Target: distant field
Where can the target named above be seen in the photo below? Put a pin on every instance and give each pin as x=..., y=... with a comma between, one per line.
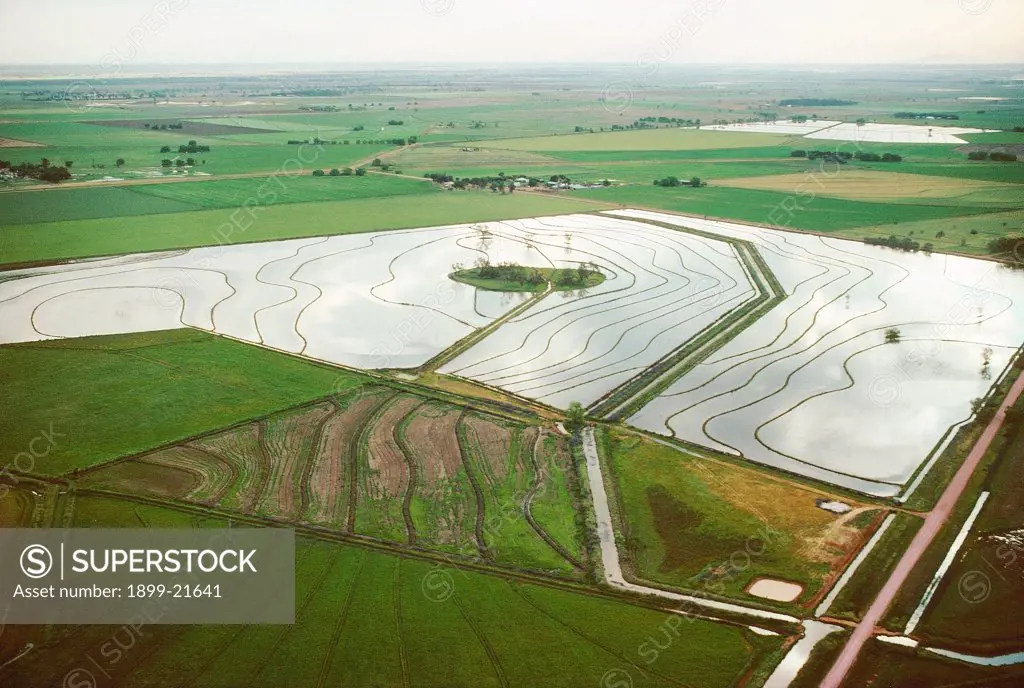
x=956, y=231
x=866, y=185
x=770, y=207
x=82, y=238
x=638, y=140
x=228, y=193
x=118, y=395
x=58, y=205
x=368, y=618
x=683, y=518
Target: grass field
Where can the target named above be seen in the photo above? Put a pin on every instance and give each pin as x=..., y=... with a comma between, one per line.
x=369, y=618
x=78, y=203
x=702, y=524
x=105, y=397
x=82, y=238
x=800, y=211
x=640, y=140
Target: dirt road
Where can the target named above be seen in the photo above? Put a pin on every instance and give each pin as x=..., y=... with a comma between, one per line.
x=932, y=524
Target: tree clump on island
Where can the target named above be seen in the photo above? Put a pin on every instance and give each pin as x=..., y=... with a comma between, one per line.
x=507, y=276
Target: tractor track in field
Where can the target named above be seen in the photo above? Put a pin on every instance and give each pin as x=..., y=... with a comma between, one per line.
x=478, y=493
x=298, y=613
x=479, y=633
x=310, y=463
x=528, y=501
x=586, y=638
x=362, y=434
x=232, y=471
x=340, y=624
x=256, y=497
x=402, y=655
x=398, y=432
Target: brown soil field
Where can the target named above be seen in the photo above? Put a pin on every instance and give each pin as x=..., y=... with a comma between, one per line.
x=431, y=436
x=289, y=444
x=388, y=473
x=240, y=447
x=490, y=443
x=198, y=128
x=215, y=474
x=175, y=481
x=868, y=185
x=329, y=484
x=14, y=143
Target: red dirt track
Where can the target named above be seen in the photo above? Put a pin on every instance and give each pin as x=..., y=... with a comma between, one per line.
x=932, y=524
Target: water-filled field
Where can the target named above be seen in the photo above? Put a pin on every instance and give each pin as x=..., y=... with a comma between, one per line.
x=850, y=131
x=812, y=387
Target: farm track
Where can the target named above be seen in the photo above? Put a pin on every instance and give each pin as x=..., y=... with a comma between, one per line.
x=478, y=632
x=538, y=485
x=263, y=457
x=310, y=461
x=397, y=598
x=340, y=623
x=398, y=432
x=362, y=438
x=478, y=528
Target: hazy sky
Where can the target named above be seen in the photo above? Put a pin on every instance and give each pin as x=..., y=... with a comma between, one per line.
x=677, y=31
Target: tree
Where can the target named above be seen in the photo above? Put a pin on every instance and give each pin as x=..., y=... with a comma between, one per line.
x=360, y=172
x=165, y=149
x=511, y=187
x=347, y=172
x=119, y=163
x=695, y=182
x=576, y=416
x=376, y=162
x=318, y=173
x=892, y=335
x=166, y=163
x=335, y=172
x=861, y=122
x=69, y=163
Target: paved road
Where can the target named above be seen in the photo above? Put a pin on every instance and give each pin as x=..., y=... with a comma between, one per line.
x=932, y=524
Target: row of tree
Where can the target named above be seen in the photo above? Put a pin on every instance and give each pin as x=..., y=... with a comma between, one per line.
x=898, y=243
x=926, y=115
x=191, y=147
x=42, y=170
x=998, y=156
x=675, y=181
x=335, y=172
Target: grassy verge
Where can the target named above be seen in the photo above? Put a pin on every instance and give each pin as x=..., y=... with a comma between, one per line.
x=854, y=599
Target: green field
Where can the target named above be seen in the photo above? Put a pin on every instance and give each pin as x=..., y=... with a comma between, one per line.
x=641, y=140
x=82, y=238
x=78, y=203
x=770, y=207
x=701, y=524
x=368, y=618
x=112, y=396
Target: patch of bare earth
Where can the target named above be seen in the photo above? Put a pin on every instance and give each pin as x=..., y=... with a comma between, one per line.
x=239, y=447
x=214, y=473
x=329, y=478
x=490, y=442
x=145, y=477
x=388, y=473
x=14, y=143
x=289, y=442
x=432, y=438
